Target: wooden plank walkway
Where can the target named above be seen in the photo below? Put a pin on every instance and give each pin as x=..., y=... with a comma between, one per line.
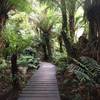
x=42, y=85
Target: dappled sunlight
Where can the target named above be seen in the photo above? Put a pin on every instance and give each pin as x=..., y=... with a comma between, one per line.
x=79, y=32
x=48, y=65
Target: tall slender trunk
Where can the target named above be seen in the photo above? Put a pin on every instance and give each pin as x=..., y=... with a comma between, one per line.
x=92, y=31
x=45, y=51
x=60, y=43
x=48, y=44
x=98, y=51
x=98, y=44
x=72, y=27
x=67, y=42
x=42, y=36
x=14, y=69
x=2, y=23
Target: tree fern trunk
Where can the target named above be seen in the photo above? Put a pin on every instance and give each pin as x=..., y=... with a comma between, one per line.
x=72, y=27
x=64, y=33
x=2, y=23
x=44, y=51
x=48, y=44
x=60, y=43
x=92, y=31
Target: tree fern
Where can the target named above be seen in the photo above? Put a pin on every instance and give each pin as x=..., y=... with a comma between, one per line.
x=87, y=69
x=22, y=5
x=7, y=5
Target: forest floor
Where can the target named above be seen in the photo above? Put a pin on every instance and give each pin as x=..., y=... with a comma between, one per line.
x=6, y=90
x=75, y=84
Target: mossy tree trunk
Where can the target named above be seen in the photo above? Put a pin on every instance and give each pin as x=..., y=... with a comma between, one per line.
x=60, y=43
x=72, y=27
x=48, y=45
x=3, y=19
x=93, y=16
x=44, y=51
x=92, y=31
x=43, y=45
x=69, y=48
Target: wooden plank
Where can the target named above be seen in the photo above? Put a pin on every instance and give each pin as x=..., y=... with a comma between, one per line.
x=42, y=85
x=38, y=95
x=38, y=98
x=39, y=92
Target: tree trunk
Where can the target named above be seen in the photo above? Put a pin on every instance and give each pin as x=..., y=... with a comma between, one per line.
x=14, y=69
x=48, y=44
x=92, y=31
x=60, y=43
x=3, y=19
x=70, y=50
x=98, y=51
x=44, y=51
x=98, y=44
x=72, y=27
x=93, y=16
x=42, y=36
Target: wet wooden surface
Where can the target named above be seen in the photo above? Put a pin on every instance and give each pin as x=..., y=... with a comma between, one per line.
x=42, y=85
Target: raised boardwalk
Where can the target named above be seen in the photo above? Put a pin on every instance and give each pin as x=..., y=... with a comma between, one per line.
x=42, y=85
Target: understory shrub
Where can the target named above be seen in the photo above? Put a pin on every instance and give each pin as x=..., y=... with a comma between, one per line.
x=28, y=61
x=3, y=64
x=81, y=80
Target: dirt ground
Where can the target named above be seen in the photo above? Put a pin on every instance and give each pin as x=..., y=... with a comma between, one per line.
x=6, y=90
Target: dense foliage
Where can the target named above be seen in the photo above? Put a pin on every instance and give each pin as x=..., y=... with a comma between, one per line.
x=64, y=32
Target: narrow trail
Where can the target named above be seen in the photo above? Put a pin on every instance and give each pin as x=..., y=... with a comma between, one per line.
x=42, y=85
